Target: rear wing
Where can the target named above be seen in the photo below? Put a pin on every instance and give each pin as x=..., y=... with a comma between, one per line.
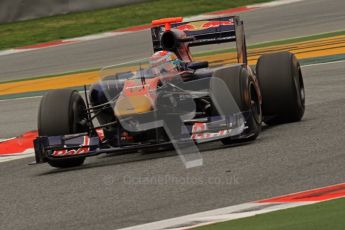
x=209, y=31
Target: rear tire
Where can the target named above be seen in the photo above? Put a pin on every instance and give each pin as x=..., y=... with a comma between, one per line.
x=60, y=113
x=246, y=94
x=282, y=88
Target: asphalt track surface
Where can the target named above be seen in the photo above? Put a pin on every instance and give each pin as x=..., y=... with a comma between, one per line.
x=117, y=191
x=297, y=19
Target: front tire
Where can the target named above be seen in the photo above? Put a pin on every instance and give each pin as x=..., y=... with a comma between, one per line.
x=60, y=113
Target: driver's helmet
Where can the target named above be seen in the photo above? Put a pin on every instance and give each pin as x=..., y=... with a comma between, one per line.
x=165, y=62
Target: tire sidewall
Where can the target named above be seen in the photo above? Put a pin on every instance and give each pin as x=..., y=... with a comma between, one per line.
x=59, y=112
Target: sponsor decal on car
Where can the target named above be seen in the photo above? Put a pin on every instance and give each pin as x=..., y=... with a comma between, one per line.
x=203, y=25
x=199, y=132
x=84, y=148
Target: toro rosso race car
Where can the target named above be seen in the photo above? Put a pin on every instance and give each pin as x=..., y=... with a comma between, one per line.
x=171, y=101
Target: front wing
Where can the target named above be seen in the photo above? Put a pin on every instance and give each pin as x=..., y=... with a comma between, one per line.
x=86, y=145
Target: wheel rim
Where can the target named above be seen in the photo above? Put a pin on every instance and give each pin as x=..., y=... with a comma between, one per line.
x=255, y=106
x=79, y=116
x=299, y=90
x=301, y=87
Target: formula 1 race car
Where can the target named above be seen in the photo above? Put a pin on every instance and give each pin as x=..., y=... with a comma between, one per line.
x=170, y=100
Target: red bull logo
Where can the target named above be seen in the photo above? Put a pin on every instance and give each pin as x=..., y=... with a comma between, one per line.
x=199, y=25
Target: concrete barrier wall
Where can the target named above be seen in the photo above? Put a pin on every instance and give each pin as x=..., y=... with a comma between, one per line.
x=19, y=10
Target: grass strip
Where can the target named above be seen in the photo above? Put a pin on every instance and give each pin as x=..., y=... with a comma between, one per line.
x=325, y=215
x=97, y=21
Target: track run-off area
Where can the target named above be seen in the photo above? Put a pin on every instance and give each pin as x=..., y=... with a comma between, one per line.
x=111, y=192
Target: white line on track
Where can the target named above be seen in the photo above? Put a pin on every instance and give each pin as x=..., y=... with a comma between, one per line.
x=10, y=157
x=20, y=98
x=33, y=97
x=216, y=215
x=275, y=3
x=324, y=63
x=2, y=139
x=241, y=210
